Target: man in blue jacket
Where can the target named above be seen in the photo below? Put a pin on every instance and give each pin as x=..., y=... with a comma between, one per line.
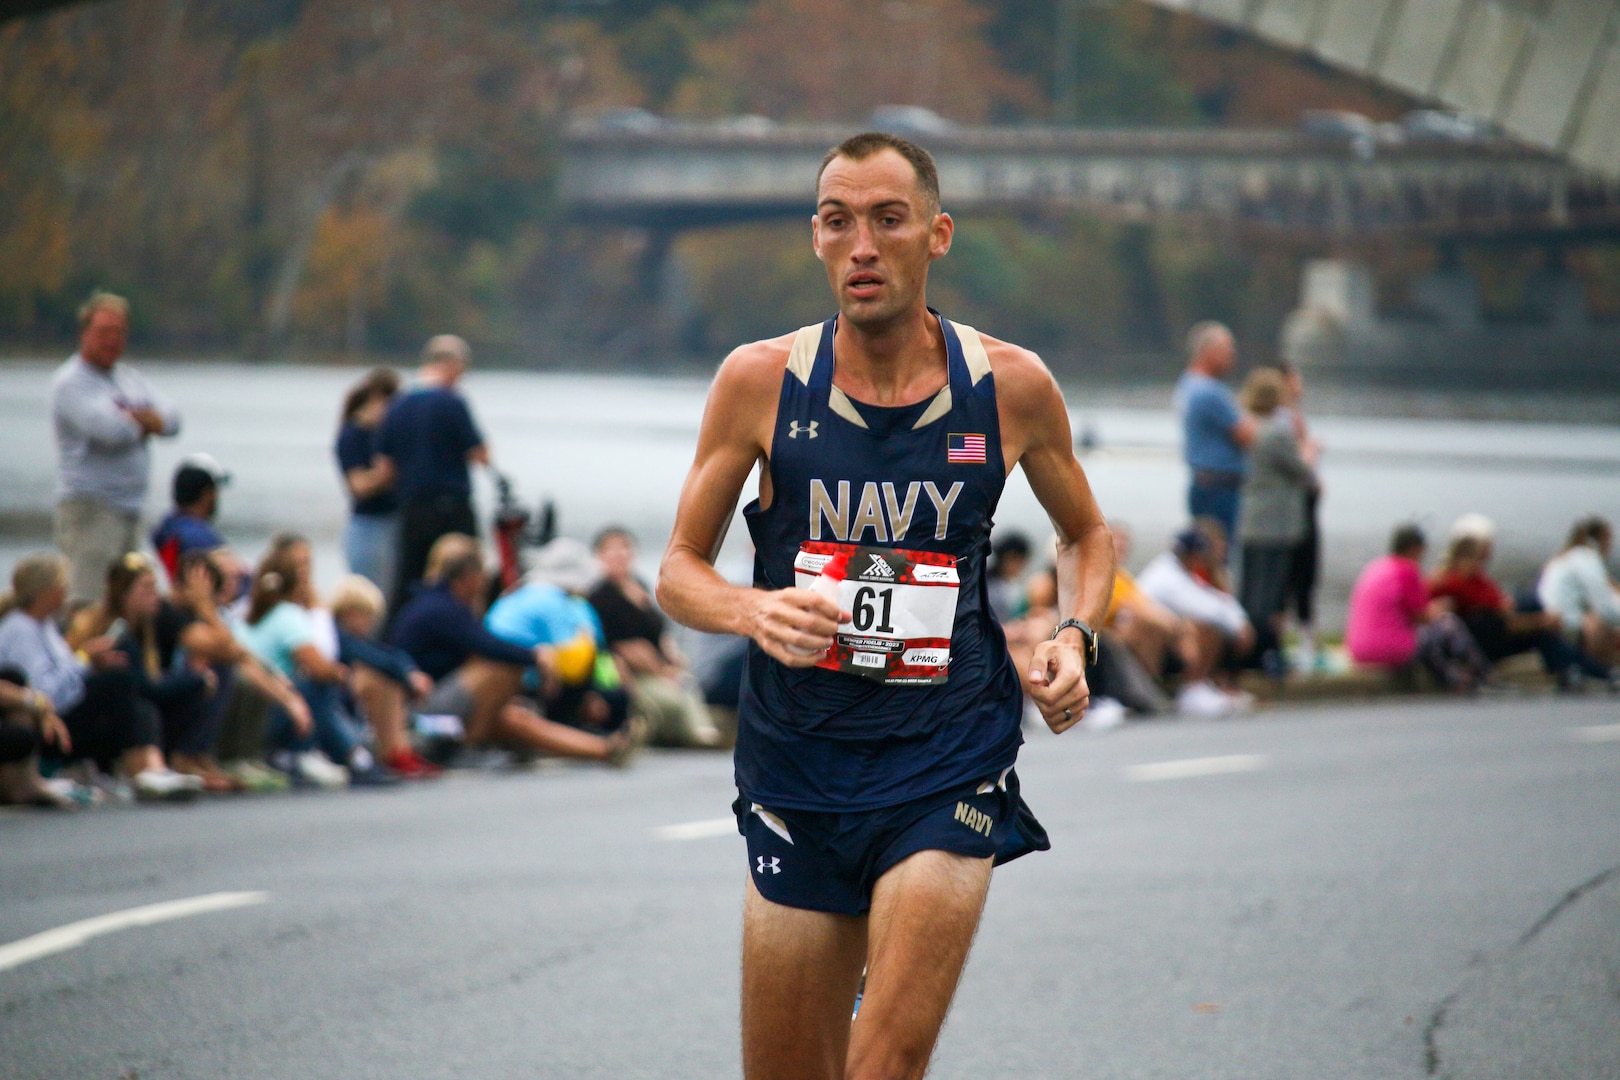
x=476, y=674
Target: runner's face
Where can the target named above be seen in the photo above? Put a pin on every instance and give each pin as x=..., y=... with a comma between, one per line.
x=876, y=231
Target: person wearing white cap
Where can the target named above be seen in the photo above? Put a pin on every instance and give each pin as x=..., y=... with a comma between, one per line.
x=1500, y=627
x=104, y=414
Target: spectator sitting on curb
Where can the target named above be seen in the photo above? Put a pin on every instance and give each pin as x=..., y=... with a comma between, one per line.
x=385, y=680
x=663, y=689
x=1004, y=576
x=1393, y=624
x=1183, y=581
x=1498, y=628
x=1117, y=681
x=105, y=415
x=328, y=697
x=578, y=681
x=142, y=625
x=1154, y=634
x=1575, y=586
x=28, y=725
x=248, y=690
x=477, y=674
x=92, y=691
x=189, y=525
x=278, y=630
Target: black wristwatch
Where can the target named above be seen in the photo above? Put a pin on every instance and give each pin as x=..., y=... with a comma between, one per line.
x=1087, y=635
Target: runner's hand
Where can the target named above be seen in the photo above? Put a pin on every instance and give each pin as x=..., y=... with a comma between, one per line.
x=796, y=626
x=1057, y=683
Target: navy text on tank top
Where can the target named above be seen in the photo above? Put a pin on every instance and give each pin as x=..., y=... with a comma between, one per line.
x=923, y=477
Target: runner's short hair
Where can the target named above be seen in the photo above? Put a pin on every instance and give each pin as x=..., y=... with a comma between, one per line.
x=862, y=146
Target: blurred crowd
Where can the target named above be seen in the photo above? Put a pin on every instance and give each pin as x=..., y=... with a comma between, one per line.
x=168, y=666
x=1237, y=584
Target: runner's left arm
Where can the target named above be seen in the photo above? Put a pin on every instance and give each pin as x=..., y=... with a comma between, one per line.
x=1036, y=434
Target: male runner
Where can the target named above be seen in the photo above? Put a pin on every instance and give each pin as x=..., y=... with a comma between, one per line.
x=877, y=732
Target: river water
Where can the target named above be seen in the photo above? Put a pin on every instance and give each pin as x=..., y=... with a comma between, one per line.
x=612, y=448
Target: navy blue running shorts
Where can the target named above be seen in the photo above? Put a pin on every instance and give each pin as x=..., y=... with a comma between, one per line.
x=830, y=861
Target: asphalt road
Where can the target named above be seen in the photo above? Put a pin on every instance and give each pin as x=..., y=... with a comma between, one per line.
x=1405, y=890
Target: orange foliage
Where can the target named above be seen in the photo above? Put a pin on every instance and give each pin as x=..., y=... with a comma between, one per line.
x=836, y=59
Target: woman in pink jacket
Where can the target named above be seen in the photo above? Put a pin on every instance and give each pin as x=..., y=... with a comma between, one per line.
x=1393, y=624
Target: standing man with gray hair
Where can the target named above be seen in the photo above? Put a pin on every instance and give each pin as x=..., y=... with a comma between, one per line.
x=1216, y=434
x=425, y=446
x=104, y=413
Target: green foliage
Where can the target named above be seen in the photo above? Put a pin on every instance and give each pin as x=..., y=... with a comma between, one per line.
x=313, y=175
x=658, y=49
x=1118, y=79
x=476, y=198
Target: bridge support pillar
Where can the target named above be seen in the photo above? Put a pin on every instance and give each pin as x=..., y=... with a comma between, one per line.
x=666, y=292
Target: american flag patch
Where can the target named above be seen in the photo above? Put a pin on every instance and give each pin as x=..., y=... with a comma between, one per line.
x=964, y=449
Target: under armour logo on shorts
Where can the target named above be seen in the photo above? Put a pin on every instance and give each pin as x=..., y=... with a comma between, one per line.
x=795, y=429
x=773, y=864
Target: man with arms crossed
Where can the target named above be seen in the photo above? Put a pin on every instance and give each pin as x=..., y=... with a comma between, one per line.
x=105, y=417
x=877, y=731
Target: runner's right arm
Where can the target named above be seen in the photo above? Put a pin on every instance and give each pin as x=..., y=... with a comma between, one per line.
x=793, y=625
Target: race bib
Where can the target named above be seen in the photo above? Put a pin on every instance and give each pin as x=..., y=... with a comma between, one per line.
x=902, y=606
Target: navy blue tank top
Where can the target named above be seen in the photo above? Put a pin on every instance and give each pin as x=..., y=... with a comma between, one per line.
x=922, y=478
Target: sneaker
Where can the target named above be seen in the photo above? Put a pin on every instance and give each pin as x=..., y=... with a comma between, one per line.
x=1242, y=701
x=622, y=747
x=1204, y=699
x=256, y=778
x=65, y=789
x=412, y=766
x=215, y=781
x=166, y=785
x=373, y=775
x=317, y=770
x=1102, y=714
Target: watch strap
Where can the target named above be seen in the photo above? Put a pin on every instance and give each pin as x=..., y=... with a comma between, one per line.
x=1086, y=633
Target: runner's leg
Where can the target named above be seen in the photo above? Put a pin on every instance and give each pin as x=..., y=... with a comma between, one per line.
x=799, y=970
x=925, y=911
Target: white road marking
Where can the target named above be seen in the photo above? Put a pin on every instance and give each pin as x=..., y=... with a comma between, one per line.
x=1186, y=768
x=75, y=934
x=1596, y=733
x=697, y=830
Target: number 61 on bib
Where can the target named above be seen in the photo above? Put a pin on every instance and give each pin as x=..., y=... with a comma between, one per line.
x=902, y=605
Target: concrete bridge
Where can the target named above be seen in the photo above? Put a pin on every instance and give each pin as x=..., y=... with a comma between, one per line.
x=1546, y=71
x=637, y=170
